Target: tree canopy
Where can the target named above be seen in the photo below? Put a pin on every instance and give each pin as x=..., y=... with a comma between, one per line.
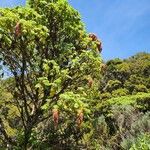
x=55, y=67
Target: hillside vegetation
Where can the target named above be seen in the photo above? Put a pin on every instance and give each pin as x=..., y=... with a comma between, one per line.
x=122, y=113
x=60, y=95
x=127, y=77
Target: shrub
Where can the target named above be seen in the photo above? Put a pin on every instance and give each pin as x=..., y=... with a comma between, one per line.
x=120, y=92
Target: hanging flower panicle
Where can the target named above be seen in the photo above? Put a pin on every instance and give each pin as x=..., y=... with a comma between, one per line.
x=18, y=29
x=80, y=116
x=98, y=42
x=90, y=82
x=103, y=67
x=55, y=117
x=93, y=36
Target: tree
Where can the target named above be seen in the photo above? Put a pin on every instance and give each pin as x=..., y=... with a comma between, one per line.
x=51, y=58
x=132, y=73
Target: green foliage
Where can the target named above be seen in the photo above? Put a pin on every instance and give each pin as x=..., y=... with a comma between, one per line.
x=142, y=143
x=51, y=58
x=121, y=128
x=105, y=96
x=140, y=88
x=8, y=111
x=120, y=92
x=113, y=85
x=57, y=97
x=132, y=73
x=140, y=98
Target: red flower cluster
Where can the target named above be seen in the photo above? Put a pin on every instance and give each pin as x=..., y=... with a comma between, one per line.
x=18, y=29
x=80, y=116
x=94, y=38
x=55, y=117
x=90, y=82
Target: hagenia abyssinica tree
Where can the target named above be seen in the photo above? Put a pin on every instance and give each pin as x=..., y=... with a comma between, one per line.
x=52, y=59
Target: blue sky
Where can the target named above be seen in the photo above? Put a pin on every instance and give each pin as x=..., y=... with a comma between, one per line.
x=122, y=25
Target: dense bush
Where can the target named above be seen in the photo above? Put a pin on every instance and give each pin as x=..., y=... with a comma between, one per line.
x=120, y=92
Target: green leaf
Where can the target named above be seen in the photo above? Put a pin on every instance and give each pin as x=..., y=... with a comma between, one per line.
x=76, y=105
x=46, y=83
x=45, y=106
x=38, y=85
